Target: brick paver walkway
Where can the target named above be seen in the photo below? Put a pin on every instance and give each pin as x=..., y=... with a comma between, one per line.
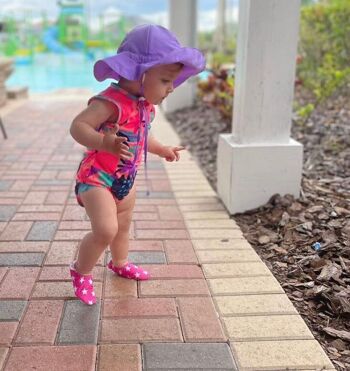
x=211, y=304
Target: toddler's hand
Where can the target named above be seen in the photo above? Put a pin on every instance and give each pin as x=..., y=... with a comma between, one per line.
x=116, y=145
x=171, y=153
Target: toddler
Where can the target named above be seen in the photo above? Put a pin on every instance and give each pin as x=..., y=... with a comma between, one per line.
x=114, y=127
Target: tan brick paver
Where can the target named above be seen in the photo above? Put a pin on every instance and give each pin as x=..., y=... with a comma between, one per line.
x=211, y=286
x=120, y=357
x=281, y=355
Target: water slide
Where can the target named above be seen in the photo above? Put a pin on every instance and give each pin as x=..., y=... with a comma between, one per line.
x=50, y=39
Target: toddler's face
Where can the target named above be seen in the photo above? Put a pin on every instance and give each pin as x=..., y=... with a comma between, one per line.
x=158, y=82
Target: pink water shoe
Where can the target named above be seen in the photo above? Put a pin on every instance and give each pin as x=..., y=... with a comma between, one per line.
x=83, y=286
x=129, y=270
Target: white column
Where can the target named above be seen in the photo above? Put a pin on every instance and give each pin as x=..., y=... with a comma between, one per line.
x=220, y=32
x=259, y=158
x=183, y=23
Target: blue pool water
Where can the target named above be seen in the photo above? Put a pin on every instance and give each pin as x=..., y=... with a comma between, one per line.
x=49, y=72
x=204, y=75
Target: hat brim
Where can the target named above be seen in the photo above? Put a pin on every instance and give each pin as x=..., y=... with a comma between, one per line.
x=129, y=65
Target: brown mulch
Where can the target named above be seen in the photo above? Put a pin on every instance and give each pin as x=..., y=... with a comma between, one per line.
x=305, y=242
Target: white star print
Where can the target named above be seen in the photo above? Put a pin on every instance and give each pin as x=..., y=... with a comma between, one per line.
x=90, y=281
x=145, y=272
x=137, y=275
x=90, y=302
x=82, y=280
x=127, y=268
x=93, y=293
x=84, y=292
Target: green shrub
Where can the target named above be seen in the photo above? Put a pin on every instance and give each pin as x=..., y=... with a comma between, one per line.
x=323, y=61
x=218, y=59
x=324, y=47
x=217, y=91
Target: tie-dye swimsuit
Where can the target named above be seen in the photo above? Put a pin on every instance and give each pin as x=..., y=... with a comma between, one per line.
x=103, y=169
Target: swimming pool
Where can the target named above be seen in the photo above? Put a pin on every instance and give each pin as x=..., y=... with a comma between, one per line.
x=50, y=72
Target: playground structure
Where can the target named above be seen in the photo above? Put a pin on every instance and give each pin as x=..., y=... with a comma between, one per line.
x=21, y=39
x=72, y=27
x=17, y=40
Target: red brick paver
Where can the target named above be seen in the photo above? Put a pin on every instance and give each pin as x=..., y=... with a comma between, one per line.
x=51, y=358
x=199, y=319
x=3, y=270
x=180, y=251
x=7, y=332
x=18, y=283
x=174, y=288
x=141, y=330
x=40, y=322
x=135, y=307
x=3, y=353
x=16, y=231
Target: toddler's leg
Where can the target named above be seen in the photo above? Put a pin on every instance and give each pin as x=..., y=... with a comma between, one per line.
x=120, y=244
x=102, y=211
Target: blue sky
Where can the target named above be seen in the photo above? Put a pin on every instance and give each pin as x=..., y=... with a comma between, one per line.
x=152, y=10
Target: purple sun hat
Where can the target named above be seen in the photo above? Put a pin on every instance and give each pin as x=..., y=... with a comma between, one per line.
x=147, y=46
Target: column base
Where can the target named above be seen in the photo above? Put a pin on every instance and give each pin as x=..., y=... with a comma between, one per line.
x=248, y=175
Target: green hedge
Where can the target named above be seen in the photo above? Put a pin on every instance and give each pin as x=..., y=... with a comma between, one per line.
x=324, y=47
x=323, y=61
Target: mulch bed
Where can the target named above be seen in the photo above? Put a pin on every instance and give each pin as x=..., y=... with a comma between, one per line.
x=305, y=242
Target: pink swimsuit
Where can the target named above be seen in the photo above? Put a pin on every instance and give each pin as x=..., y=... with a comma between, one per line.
x=103, y=169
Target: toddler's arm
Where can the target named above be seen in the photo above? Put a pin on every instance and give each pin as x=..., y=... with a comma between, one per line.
x=83, y=129
x=167, y=152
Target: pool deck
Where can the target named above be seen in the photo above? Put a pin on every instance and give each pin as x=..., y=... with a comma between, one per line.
x=211, y=304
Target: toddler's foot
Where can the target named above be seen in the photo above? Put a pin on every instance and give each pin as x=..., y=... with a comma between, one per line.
x=83, y=286
x=129, y=270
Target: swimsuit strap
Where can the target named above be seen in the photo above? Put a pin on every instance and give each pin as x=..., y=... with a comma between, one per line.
x=144, y=119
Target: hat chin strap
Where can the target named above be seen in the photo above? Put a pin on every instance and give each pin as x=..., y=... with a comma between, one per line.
x=142, y=85
x=142, y=90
